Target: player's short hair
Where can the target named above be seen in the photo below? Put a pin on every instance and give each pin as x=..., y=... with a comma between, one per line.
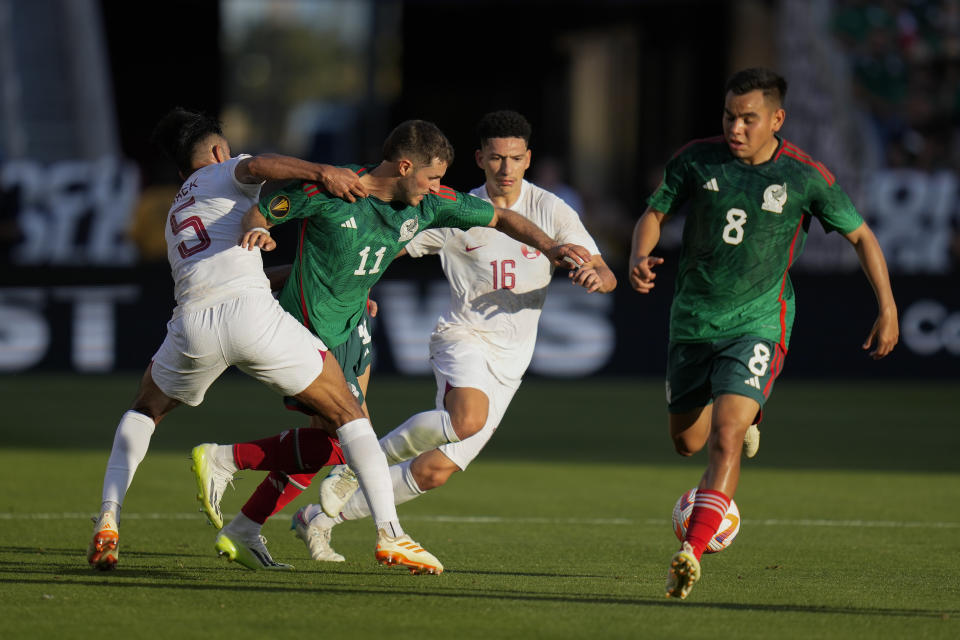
x=419, y=141
x=772, y=84
x=503, y=124
x=178, y=133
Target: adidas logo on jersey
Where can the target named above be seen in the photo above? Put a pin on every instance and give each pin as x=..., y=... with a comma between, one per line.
x=711, y=185
x=349, y=224
x=753, y=382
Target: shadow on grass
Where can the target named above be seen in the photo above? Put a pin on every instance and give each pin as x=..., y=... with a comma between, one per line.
x=134, y=578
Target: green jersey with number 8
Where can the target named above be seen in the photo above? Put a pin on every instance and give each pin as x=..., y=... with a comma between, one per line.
x=745, y=227
x=343, y=248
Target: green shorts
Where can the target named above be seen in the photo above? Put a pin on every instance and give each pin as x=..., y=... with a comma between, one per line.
x=354, y=356
x=698, y=372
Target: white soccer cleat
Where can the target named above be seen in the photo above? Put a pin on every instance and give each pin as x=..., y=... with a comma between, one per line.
x=104, y=550
x=684, y=572
x=339, y=485
x=751, y=441
x=404, y=551
x=252, y=553
x=212, y=481
x=316, y=538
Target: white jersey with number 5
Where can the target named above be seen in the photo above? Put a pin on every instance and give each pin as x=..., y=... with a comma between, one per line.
x=202, y=231
x=498, y=285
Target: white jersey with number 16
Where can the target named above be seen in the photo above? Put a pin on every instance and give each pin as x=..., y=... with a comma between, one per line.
x=498, y=285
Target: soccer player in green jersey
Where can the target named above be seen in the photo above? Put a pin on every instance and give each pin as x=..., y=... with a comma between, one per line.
x=344, y=250
x=750, y=196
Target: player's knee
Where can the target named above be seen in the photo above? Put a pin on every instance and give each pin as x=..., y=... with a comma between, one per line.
x=468, y=423
x=727, y=441
x=682, y=446
x=434, y=477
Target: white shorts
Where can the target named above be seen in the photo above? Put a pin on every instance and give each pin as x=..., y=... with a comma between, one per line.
x=252, y=333
x=463, y=363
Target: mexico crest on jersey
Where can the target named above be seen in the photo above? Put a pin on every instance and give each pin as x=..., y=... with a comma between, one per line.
x=409, y=229
x=279, y=206
x=774, y=197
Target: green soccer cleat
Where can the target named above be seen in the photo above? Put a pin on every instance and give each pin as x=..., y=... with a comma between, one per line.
x=403, y=551
x=103, y=551
x=751, y=441
x=212, y=481
x=684, y=572
x=252, y=554
x=316, y=538
x=339, y=485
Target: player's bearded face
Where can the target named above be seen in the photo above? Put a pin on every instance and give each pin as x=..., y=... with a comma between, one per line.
x=749, y=124
x=420, y=181
x=504, y=161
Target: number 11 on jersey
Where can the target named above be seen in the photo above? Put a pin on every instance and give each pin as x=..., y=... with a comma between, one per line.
x=360, y=271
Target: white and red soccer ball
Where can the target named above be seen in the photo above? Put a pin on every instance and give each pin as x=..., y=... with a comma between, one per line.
x=729, y=528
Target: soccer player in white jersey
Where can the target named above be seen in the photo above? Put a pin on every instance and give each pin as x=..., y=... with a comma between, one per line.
x=226, y=315
x=482, y=345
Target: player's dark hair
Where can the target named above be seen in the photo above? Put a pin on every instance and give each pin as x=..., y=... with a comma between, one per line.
x=772, y=84
x=419, y=141
x=178, y=133
x=503, y=124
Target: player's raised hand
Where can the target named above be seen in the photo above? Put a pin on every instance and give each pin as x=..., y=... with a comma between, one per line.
x=342, y=183
x=258, y=238
x=885, y=333
x=641, y=273
x=568, y=256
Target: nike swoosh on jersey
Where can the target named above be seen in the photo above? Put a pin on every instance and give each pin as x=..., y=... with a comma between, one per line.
x=473, y=248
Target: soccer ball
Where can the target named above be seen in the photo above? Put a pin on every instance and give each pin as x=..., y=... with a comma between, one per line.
x=729, y=528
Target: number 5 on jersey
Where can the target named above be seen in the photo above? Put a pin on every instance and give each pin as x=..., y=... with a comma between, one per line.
x=193, y=222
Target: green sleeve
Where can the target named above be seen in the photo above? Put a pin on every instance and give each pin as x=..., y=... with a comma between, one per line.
x=671, y=193
x=835, y=210
x=296, y=200
x=458, y=210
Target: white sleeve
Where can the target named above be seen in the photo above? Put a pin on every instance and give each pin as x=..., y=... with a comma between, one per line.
x=567, y=227
x=249, y=190
x=426, y=243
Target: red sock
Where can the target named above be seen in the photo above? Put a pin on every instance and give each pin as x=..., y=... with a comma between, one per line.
x=275, y=492
x=293, y=451
x=709, y=507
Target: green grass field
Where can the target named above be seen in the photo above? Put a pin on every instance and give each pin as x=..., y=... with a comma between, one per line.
x=851, y=525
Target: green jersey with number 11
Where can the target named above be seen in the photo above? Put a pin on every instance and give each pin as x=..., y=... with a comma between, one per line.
x=745, y=227
x=344, y=247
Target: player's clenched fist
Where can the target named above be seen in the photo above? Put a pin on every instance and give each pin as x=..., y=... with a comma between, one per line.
x=641, y=273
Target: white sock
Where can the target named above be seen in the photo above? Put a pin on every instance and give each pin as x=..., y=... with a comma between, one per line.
x=405, y=489
x=364, y=455
x=421, y=432
x=314, y=516
x=130, y=444
x=243, y=527
x=223, y=455
x=111, y=506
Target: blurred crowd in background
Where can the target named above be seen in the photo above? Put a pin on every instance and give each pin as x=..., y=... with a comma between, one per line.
x=905, y=62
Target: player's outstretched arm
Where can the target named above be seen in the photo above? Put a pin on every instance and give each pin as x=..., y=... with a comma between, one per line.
x=594, y=275
x=256, y=231
x=646, y=235
x=886, y=329
x=337, y=181
x=523, y=230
